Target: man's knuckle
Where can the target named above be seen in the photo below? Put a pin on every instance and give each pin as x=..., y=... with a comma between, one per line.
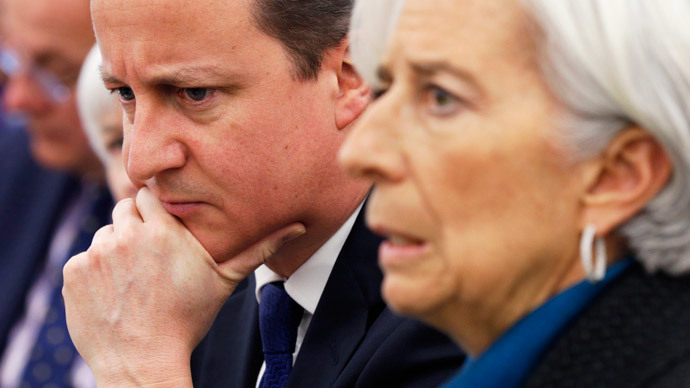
x=101, y=234
x=159, y=233
x=123, y=206
x=127, y=236
x=74, y=267
x=96, y=250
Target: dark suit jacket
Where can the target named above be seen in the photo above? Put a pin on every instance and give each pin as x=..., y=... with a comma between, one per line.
x=635, y=334
x=353, y=340
x=31, y=201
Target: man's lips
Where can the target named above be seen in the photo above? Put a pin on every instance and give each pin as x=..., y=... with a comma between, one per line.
x=182, y=209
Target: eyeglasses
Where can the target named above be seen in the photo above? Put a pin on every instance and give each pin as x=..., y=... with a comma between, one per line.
x=12, y=64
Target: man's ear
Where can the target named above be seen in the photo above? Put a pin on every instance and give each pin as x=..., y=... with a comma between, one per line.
x=623, y=179
x=353, y=93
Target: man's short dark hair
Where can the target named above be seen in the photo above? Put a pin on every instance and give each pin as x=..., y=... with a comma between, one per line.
x=306, y=28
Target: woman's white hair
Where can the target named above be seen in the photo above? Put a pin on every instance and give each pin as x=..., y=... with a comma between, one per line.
x=372, y=24
x=613, y=63
x=93, y=101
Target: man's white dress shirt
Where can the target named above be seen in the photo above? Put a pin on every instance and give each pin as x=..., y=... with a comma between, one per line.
x=307, y=283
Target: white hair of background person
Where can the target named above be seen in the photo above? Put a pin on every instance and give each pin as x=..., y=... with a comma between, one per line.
x=93, y=101
x=613, y=63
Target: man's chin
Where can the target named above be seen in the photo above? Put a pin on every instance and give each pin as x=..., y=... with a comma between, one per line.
x=215, y=246
x=222, y=253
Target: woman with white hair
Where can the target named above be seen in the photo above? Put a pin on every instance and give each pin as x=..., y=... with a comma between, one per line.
x=101, y=116
x=532, y=170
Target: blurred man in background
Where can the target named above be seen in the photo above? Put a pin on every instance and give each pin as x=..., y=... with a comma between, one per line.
x=52, y=197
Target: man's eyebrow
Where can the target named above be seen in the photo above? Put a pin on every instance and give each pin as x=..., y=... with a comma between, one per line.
x=60, y=66
x=193, y=75
x=108, y=78
x=46, y=58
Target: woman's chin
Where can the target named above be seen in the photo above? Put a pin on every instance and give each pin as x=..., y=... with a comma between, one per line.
x=417, y=297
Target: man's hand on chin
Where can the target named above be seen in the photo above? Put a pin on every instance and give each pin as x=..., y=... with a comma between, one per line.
x=146, y=292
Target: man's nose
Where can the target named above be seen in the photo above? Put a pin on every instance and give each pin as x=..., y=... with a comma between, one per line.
x=151, y=146
x=22, y=95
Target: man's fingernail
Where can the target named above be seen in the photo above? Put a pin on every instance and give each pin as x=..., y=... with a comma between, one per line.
x=294, y=234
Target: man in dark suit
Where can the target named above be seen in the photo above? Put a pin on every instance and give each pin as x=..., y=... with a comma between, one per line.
x=234, y=113
x=51, y=191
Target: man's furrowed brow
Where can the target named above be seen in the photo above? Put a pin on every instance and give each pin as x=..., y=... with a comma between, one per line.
x=109, y=78
x=190, y=76
x=185, y=77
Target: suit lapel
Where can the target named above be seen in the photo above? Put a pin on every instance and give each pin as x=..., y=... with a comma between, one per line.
x=349, y=304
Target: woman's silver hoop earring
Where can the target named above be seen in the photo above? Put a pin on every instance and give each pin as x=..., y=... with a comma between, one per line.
x=595, y=268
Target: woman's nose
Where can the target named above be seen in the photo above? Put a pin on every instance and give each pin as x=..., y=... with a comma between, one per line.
x=372, y=150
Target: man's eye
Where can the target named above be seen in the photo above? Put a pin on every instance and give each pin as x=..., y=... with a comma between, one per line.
x=197, y=94
x=126, y=93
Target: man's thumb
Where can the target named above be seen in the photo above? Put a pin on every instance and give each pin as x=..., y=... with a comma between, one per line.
x=240, y=266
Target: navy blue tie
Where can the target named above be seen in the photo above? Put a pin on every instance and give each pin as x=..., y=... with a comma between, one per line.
x=53, y=354
x=279, y=317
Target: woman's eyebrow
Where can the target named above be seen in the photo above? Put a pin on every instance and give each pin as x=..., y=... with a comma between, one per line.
x=429, y=68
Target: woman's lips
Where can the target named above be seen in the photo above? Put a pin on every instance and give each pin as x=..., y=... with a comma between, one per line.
x=182, y=209
x=397, y=249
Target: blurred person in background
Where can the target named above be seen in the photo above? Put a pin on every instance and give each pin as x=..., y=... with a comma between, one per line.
x=52, y=196
x=101, y=117
x=532, y=178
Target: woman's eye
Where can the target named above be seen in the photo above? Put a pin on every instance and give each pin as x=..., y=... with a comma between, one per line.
x=441, y=98
x=197, y=94
x=441, y=102
x=126, y=93
x=114, y=145
x=378, y=92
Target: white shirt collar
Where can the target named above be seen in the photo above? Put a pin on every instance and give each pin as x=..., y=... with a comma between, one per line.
x=307, y=283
